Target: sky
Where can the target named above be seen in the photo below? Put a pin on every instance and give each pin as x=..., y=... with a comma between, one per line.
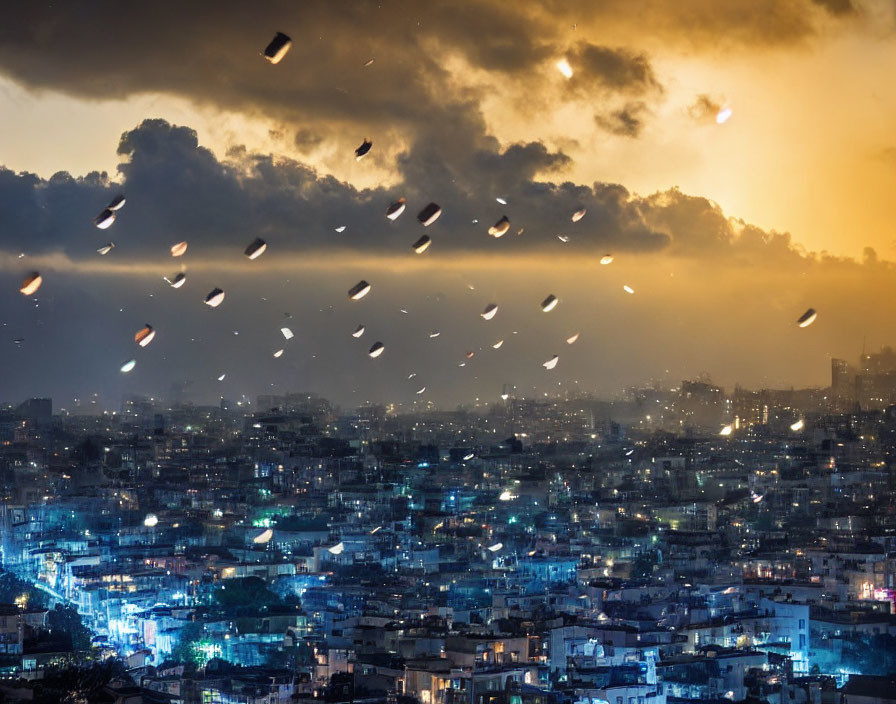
x=726, y=232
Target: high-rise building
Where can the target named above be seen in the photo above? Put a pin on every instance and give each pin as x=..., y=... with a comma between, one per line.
x=35, y=409
x=842, y=380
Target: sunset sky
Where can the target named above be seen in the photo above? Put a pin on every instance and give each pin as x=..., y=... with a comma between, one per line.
x=726, y=232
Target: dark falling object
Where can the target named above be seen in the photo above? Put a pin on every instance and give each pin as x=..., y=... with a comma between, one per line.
x=256, y=249
x=363, y=149
x=421, y=245
x=276, y=50
x=429, y=214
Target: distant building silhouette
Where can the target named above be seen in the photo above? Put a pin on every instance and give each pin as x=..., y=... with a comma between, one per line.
x=35, y=409
x=871, y=386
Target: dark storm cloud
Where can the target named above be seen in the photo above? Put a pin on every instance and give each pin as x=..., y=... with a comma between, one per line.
x=210, y=52
x=54, y=214
x=178, y=190
x=627, y=121
x=616, y=69
x=703, y=231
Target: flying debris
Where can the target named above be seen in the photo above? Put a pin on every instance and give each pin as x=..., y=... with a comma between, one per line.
x=434, y=333
x=502, y=201
x=549, y=303
x=145, y=335
x=500, y=228
x=726, y=430
x=572, y=338
x=369, y=62
x=757, y=498
x=628, y=289
x=337, y=548
x=151, y=520
x=495, y=547
x=104, y=219
x=403, y=310
x=421, y=390
x=429, y=214
x=18, y=340
x=421, y=245
x=376, y=530
x=358, y=331
x=276, y=50
x=505, y=396
x=278, y=353
x=462, y=364
x=578, y=215
x=363, y=149
x=179, y=249
x=177, y=281
x=221, y=378
x=287, y=333
x=127, y=366
x=552, y=362
x=359, y=290
x=564, y=68
x=807, y=318
x=798, y=426
x=505, y=496
x=723, y=116
x=215, y=298
x=264, y=537
x=376, y=350
x=470, y=355
x=469, y=456
x=497, y=345
x=256, y=249
x=491, y=310
x=341, y=228
x=106, y=248
x=606, y=259
x=117, y=203
x=563, y=238
x=396, y=209
x=412, y=375
x=31, y=283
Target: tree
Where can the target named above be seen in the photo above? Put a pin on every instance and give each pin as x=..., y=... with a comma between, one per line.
x=12, y=588
x=642, y=565
x=67, y=620
x=78, y=684
x=246, y=591
x=190, y=636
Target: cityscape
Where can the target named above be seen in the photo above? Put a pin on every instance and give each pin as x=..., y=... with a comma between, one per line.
x=669, y=545
x=447, y=352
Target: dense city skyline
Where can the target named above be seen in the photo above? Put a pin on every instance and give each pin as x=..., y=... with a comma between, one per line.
x=464, y=105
